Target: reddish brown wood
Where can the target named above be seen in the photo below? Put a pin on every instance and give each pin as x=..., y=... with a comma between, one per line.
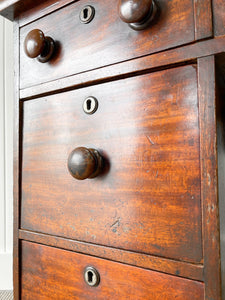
x=59, y=275
x=84, y=163
x=25, y=11
x=39, y=9
x=155, y=126
x=220, y=114
x=203, y=19
x=143, y=202
x=219, y=17
x=34, y=43
x=37, y=45
x=81, y=47
x=209, y=181
x=177, y=268
x=129, y=68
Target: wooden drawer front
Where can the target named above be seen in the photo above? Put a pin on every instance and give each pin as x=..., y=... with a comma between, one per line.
x=105, y=40
x=51, y=273
x=148, y=200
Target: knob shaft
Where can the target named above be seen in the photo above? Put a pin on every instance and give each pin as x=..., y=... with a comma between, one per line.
x=85, y=163
x=37, y=45
x=137, y=13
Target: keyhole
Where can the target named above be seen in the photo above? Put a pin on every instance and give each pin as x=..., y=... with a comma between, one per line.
x=90, y=277
x=88, y=104
x=85, y=13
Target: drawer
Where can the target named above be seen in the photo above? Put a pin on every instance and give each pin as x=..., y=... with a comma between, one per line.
x=51, y=273
x=105, y=40
x=148, y=198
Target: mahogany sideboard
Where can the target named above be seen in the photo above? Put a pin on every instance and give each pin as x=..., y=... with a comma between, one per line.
x=119, y=149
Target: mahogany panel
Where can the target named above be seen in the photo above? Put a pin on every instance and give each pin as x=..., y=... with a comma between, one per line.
x=219, y=17
x=148, y=200
x=104, y=41
x=220, y=114
x=25, y=11
x=129, y=68
x=156, y=263
x=203, y=19
x=51, y=273
x=209, y=176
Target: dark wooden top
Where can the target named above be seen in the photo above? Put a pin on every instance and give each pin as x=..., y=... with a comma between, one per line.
x=10, y=9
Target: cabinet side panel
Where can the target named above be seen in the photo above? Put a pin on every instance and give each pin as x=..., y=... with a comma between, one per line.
x=209, y=180
x=16, y=187
x=220, y=94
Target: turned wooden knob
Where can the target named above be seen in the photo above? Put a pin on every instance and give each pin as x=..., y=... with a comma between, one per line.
x=137, y=13
x=85, y=163
x=37, y=45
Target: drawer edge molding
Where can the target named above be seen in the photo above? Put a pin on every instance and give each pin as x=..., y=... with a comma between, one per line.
x=164, y=265
x=125, y=69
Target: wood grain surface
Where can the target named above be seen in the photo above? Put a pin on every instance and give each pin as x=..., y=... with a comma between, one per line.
x=148, y=199
x=219, y=17
x=104, y=41
x=209, y=177
x=156, y=263
x=141, y=65
x=25, y=11
x=203, y=19
x=220, y=116
x=50, y=273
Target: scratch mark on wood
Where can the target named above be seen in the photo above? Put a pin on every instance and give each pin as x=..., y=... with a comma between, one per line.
x=149, y=139
x=116, y=223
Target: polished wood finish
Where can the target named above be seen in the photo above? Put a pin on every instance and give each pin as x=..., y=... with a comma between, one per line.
x=162, y=175
x=37, y=45
x=79, y=47
x=117, y=281
x=85, y=163
x=220, y=114
x=203, y=19
x=165, y=265
x=28, y=9
x=34, y=43
x=208, y=154
x=134, y=11
x=156, y=129
x=141, y=65
x=139, y=14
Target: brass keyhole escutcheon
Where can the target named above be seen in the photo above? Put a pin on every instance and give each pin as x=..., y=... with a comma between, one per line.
x=90, y=105
x=87, y=14
x=91, y=276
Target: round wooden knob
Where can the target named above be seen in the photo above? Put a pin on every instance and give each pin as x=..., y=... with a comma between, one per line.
x=85, y=163
x=137, y=13
x=37, y=45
